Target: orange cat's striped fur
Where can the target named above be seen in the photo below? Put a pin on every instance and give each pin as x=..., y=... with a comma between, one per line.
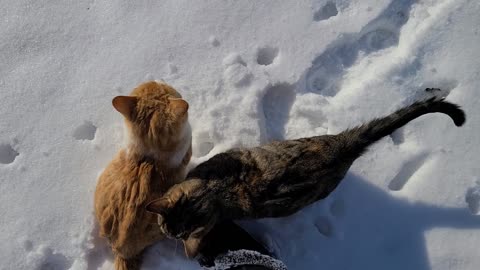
x=155, y=157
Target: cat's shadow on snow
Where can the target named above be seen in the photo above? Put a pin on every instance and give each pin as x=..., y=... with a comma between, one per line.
x=365, y=228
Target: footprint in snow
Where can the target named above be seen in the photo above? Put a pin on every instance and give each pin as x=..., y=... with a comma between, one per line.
x=266, y=55
x=202, y=144
x=326, y=12
x=236, y=71
x=7, y=154
x=408, y=170
x=472, y=198
x=379, y=39
x=327, y=70
x=86, y=131
x=276, y=105
x=44, y=258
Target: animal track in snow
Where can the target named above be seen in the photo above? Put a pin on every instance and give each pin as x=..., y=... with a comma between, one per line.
x=86, y=131
x=238, y=75
x=326, y=72
x=379, y=39
x=324, y=226
x=472, y=198
x=7, y=154
x=326, y=12
x=407, y=171
x=236, y=71
x=266, y=55
x=276, y=106
x=205, y=148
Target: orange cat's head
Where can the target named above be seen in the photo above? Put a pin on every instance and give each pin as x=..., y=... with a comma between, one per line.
x=156, y=117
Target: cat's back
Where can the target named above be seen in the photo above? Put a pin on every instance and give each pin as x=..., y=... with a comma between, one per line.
x=288, y=150
x=299, y=158
x=219, y=166
x=267, y=161
x=112, y=180
x=124, y=183
x=240, y=162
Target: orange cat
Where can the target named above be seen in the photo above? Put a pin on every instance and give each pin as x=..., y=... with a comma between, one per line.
x=155, y=157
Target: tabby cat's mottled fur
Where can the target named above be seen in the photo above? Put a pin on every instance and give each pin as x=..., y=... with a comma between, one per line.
x=155, y=157
x=276, y=179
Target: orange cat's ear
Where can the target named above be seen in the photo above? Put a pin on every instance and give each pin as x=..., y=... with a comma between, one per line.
x=125, y=105
x=159, y=206
x=179, y=106
x=191, y=246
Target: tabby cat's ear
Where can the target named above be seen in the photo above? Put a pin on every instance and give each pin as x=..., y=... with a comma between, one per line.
x=191, y=246
x=179, y=106
x=159, y=206
x=125, y=105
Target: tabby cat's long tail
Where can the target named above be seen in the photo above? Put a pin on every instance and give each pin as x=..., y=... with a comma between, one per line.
x=364, y=135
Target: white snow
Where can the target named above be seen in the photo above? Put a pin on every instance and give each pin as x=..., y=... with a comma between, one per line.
x=252, y=71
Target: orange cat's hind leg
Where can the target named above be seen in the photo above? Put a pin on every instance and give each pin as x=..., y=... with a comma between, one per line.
x=128, y=264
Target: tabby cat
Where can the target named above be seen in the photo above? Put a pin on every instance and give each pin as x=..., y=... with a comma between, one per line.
x=276, y=179
x=157, y=152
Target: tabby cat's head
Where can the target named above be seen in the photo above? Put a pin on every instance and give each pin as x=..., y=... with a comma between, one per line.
x=155, y=114
x=186, y=212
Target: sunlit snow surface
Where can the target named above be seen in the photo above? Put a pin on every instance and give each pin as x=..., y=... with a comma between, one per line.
x=252, y=71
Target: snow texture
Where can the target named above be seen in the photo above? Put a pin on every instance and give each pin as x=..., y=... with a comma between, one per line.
x=252, y=71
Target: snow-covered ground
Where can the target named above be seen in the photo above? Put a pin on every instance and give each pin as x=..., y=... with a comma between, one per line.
x=252, y=71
